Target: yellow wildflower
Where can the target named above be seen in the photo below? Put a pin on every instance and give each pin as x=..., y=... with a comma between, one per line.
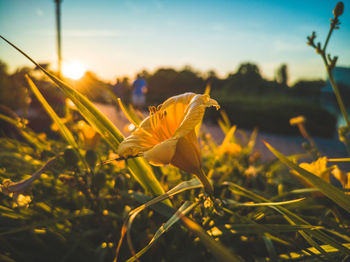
x=23, y=201
x=320, y=169
x=342, y=177
x=168, y=135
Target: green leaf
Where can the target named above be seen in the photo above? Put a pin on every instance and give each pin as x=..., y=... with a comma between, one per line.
x=327, y=189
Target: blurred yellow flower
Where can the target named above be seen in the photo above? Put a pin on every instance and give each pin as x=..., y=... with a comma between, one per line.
x=230, y=149
x=88, y=135
x=168, y=135
x=23, y=200
x=318, y=168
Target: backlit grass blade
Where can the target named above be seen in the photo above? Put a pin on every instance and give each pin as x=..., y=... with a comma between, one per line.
x=267, y=228
x=184, y=209
x=135, y=115
x=229, y=136
x=139, y=168
x=64, y=131
x=183, y=186
x=214, y=246
x=252, y=140
x=327, y=189
x=233, y=202
x=133, y=119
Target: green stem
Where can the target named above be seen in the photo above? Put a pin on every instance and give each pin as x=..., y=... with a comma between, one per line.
x=339, y=100
x=328, y=37
x=208, y=188
x=338, y=96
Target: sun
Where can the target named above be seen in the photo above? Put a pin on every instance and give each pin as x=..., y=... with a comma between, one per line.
x=73, y=70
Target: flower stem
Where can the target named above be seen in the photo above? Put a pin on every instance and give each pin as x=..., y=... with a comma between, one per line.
x=208, y=188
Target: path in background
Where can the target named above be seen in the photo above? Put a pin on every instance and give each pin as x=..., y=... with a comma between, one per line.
x=287, y=145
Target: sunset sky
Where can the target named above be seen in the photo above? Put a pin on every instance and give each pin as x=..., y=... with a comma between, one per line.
x=115, y=38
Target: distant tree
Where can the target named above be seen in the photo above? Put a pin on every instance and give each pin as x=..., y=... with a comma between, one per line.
x=3, y=68
x=211, y=74
x=248, y=69
x=166, y=82
x=247, y=79
x=144, y=74
x=213, y=80
x=282, y=75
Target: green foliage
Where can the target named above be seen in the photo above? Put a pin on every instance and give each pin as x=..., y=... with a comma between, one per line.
x=272, y=114
x=76, y=213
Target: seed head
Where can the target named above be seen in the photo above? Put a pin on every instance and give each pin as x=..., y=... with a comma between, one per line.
x=338, y=9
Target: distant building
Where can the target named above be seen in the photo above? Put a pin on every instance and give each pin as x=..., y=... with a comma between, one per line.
x=341, y=75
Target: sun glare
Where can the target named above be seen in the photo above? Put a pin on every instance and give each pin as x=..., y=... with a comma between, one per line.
x=73, y=70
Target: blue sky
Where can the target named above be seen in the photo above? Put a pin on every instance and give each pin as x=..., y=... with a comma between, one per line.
x=115, y=38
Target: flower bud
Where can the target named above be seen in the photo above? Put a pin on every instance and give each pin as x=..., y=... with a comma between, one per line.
x=338, y=9
x=70, y=158
x=91, y=158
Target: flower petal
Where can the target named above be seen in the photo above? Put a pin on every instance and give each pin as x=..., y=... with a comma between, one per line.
x=162, y=153
x=187, y=155
x=136, y=143
x=194, y=114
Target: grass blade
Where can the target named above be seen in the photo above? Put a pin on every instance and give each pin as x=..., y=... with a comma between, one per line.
x=267, y=228
x=233, y=202
x=293, y=219
x=64, y=131
x=214, y=246
x=183, y=186
x=184, y=209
